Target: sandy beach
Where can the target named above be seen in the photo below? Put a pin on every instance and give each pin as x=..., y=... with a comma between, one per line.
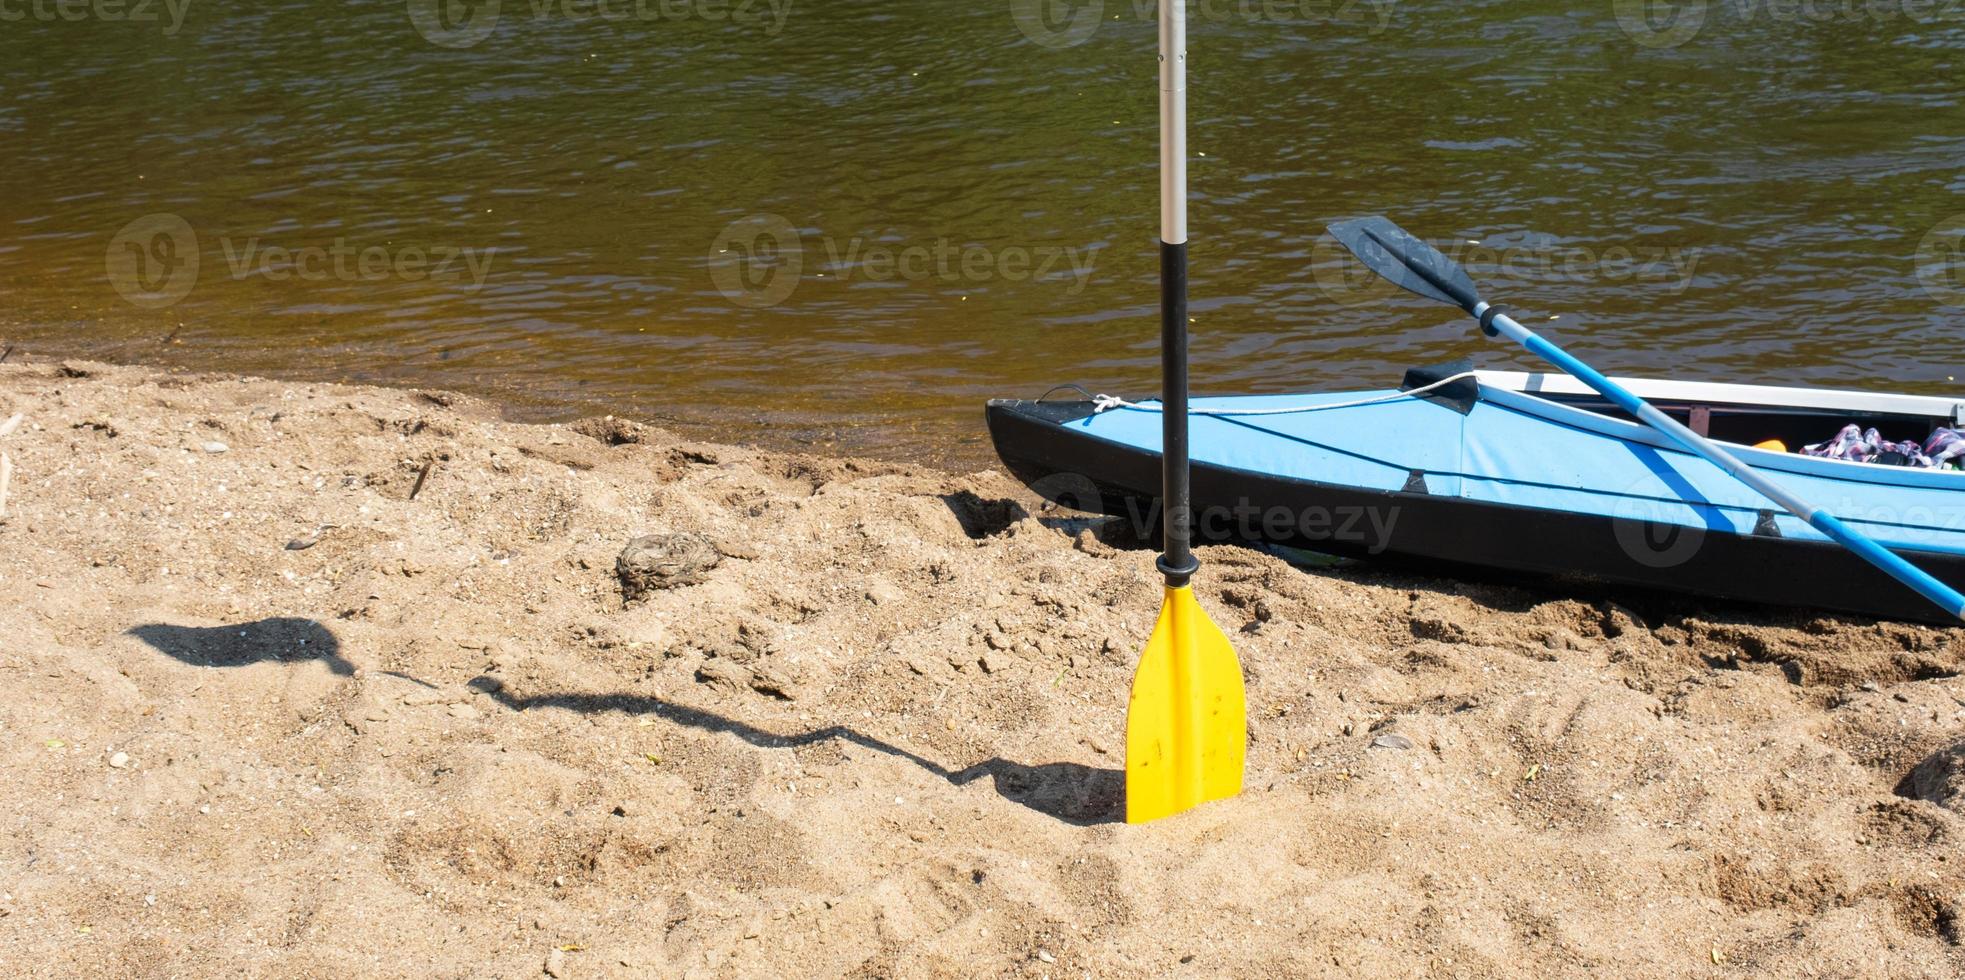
x=302, y=680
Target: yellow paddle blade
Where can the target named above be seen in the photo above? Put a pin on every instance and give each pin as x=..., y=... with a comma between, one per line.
x=1187, y=727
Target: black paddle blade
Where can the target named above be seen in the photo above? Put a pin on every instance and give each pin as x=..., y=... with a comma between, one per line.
x=1406, y=261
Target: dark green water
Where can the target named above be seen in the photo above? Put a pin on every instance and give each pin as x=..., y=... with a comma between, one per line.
x=562, y=208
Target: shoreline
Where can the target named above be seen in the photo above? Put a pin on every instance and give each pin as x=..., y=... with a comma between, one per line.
x=786, y=429
x=313, y=679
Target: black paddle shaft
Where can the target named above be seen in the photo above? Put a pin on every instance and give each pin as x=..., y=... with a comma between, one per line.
x=1177, y=562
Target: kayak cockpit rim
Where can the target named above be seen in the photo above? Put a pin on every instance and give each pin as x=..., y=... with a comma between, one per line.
x=1525, y=392
x=1722, y=393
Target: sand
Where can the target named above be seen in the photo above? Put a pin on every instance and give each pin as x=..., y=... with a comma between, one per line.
x=262, y=713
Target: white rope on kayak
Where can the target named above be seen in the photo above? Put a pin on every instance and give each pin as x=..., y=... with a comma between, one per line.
x=1105, y=403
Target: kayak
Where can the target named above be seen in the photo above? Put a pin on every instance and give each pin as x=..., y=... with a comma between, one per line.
x=1526, y=472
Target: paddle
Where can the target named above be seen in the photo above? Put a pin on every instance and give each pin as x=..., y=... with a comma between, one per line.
x=1418, y=267
x=1186, y=725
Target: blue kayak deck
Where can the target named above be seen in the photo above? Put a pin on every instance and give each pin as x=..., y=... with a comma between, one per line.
x=1517, y=449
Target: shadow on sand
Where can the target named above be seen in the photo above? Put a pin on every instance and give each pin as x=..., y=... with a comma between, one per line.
x=1070, y=792
x=283, y=639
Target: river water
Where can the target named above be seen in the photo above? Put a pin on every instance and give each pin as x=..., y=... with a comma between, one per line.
x=843, y=224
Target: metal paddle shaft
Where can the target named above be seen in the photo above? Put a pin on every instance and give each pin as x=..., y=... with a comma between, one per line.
x=1177, y=561
x=1187, y=719
x=1421, y=269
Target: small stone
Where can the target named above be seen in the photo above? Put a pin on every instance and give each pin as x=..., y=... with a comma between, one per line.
x=1045, y=955
x=730, y=547
x=556, y=963
x=997, y=641
x=216, y=447
x=463, y=711
x=119, y=760
x=1391, y=740
x=664, y=561
x=994, y=663
x=723, y=675
x=769, y=680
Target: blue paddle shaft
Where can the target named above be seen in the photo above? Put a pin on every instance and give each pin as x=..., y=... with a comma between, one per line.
x=1903, y=571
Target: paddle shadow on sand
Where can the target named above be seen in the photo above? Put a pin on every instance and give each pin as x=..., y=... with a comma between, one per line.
x=1075, y=794
x=283, y=639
